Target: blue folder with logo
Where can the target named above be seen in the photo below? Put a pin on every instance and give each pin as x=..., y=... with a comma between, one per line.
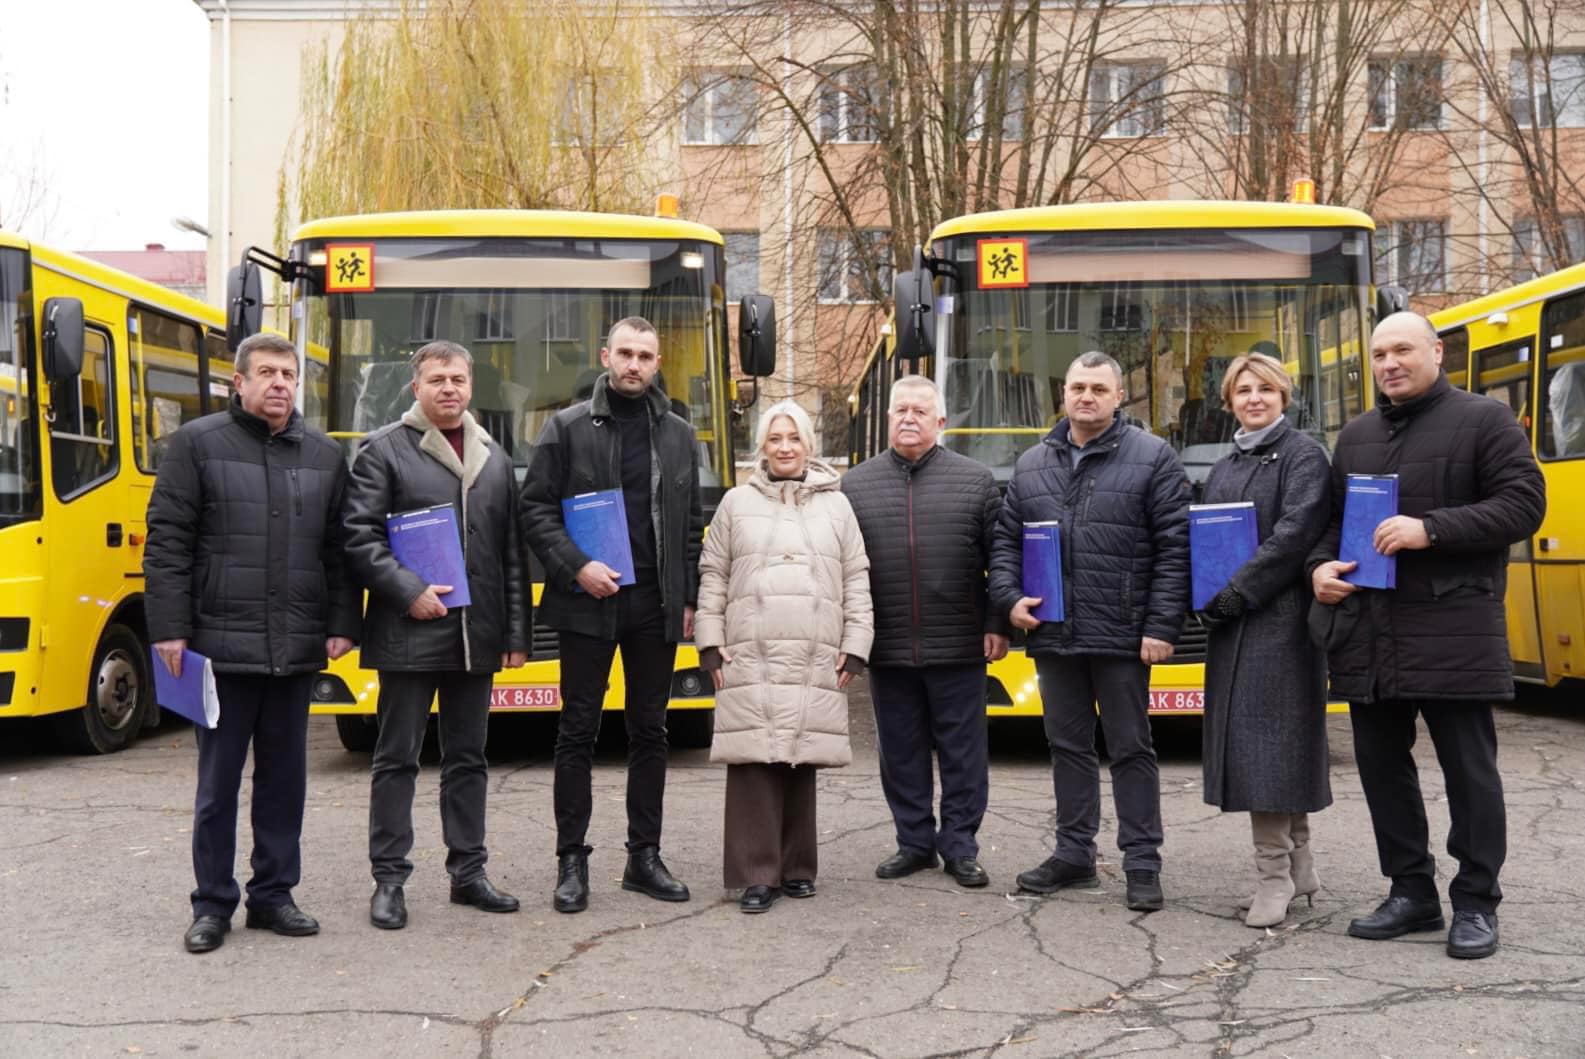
x=192, y=694
x=1370, y=500
x=597, y=524
x=428, y=543
x=1043, y=569
x=1222, y=538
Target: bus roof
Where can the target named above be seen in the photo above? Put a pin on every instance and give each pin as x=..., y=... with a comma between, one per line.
x=1131, y=216
x=114, y=280
x=1509, y=298
x=551, y=224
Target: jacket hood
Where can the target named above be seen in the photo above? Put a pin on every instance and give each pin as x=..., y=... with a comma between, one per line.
x=600, y=398
x=819, y=477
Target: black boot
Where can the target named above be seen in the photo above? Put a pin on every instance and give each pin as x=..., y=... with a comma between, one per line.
x=572, y=881
x=646, y=874
x=388, y=906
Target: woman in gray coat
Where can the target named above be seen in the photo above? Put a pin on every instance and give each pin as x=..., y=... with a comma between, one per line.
x=1265, y=747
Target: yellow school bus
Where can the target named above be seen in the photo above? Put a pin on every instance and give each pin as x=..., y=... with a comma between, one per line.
x=1525, y=346
x=97, y=369
x=1000, y=304
x=531, y=294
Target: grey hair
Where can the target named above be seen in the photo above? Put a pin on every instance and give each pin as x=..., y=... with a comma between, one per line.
x=1096, y=359
x=636, y=324
x=439, y=350
x=801, y=422
x=260, y=343
x=917, y=382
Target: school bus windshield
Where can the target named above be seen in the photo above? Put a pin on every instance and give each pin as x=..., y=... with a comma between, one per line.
x=1174, y=307
x=18, y=468
x=534, y=314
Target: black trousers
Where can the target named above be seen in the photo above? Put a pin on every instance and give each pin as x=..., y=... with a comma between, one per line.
x=937, y=710
x=647, y=662
x=770, y=834
x=1071, y=687
x=271, y=713
x=1466, y=747
x=464, y=774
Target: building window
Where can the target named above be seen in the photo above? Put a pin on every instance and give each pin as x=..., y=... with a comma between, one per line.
x=742, y=265
x=1529, y=249
x=1062, y=309
x=1121, y=309
x=1128, y=99
x=842, y=265
x=1413, y=255
x=1406, y=94
x=1012, y=108
x=850, y=102
x=720, y=109
x=1548, y=91
x=583, y=106
x=426, y=317
x=493, y=322
x=1278, y=99
x=561, y=317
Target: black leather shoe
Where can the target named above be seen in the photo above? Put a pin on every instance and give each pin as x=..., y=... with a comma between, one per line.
x=905, y=862
x=798, y=887
x=646, y=874
x=966, y=871
x=483, y=896
x=1144, y=890
x=1473, y=936
x=1054, y=875
x=1396, y=916
x=388, y=906
x=572, y=882
x=206, y=934
x=286, y=919
x=758, y=899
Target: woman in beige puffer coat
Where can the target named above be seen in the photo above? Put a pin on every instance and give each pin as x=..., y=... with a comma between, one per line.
x=783, y=623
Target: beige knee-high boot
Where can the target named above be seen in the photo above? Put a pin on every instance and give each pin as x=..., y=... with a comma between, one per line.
x=1302, y=859
x=1273, y=850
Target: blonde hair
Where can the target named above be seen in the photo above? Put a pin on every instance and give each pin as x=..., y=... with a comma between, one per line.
x=800, y=420
x=1262, y=366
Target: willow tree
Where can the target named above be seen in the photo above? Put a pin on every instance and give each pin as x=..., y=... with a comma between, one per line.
x=515, y=104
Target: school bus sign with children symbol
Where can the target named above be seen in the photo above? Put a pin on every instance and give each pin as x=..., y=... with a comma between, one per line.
x=349, y=267
x=1004, y=263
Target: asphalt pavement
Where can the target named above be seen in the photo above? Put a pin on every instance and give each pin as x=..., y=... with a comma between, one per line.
x=95, y=871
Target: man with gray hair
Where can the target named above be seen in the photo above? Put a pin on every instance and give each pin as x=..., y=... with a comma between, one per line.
x=424, y=646
x=1120, y=499
x=927, y=515
x=244, y=566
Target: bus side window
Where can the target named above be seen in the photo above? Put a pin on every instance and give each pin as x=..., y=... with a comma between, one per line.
x=1562, y=396
x=83, y=422
x=164, y=361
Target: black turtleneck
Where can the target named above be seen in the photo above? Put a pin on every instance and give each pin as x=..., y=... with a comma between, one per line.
x=631, y=415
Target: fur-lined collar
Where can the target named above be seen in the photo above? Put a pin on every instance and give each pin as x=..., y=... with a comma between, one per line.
x=475, y=445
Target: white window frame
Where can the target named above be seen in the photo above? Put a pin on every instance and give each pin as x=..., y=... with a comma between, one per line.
x=1526, y=94
x=706, y=93
x=1014, y=118
x=1406, y=234
x=1527, y=244
x=1237, y=97
x=736, y=262
x=1144, y=83
x=1068, y=295
x=495, y=317
x=838, y=264
x=849, y=109
x=1392, y=73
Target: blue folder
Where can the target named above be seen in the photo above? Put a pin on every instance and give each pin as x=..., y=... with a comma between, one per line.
x=1370, y=500
x=597, y=524
x=193, y=693
x=1043, y=569
x=1222, y=538
x=428, y=543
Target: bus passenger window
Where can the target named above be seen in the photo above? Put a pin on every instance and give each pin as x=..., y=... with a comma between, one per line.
x=83, y=422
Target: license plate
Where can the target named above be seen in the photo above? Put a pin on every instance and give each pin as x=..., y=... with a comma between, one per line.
x=1177, y=701
x=525, y=697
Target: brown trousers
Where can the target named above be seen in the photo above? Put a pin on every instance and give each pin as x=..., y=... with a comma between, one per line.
x=770, y=825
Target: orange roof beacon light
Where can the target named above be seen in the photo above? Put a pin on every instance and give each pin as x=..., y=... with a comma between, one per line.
x=1303, y=191
x=666, y=205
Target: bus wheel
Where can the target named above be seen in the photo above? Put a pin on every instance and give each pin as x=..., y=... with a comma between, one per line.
x=690, y=729
x=357, y=731
x=120, y=694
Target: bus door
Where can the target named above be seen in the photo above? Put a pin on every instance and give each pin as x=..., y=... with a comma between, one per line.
x=1503, y=372
x=1560, y=446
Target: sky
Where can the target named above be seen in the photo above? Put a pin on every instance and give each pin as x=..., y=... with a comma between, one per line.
x=104, y=108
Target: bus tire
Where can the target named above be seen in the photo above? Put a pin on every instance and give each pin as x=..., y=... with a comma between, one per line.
x=690, y=729
x=120, y=696
x=357, y=731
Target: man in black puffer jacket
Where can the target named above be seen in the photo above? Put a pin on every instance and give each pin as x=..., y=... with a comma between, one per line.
x=1436, y=645
x=1120, y=498
x=436, y=455
x=244, y=566
x=927, y=515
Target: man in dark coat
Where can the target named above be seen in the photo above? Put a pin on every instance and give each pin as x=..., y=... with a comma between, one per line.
x=927, y=515
x=1436, y=645
x=244, y=566
x=624, y=437
x=1120, y=498
x=436, y=455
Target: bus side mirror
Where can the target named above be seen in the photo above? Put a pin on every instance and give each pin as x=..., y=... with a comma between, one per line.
x=63, y=338
x=912, y=298
x=244, y=304
x=756, y=325
x=1390, y=299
